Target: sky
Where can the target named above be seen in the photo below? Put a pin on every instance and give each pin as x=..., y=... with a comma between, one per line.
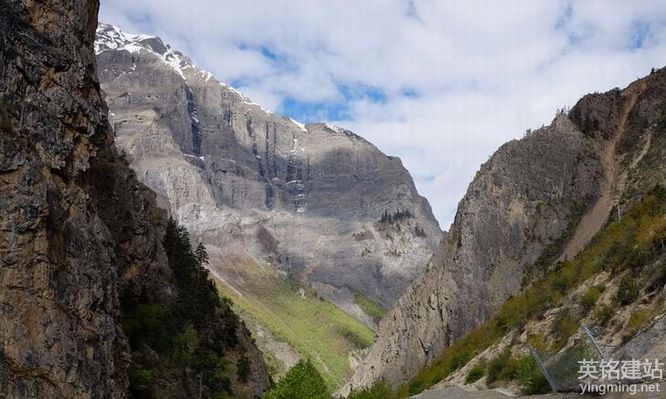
x=439, y=83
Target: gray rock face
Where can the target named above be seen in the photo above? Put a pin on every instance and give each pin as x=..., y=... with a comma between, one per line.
x=533, y=200
x=521, y=200
x=78, y=232
x=307, y=199
x=649, y=344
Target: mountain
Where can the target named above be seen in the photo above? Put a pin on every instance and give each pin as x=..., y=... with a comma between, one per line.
x=534, y=225
x=318, y=191
x=269, y=197
x=101, y=295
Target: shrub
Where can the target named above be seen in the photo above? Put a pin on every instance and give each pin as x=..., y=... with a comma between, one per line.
x=476, y=373
x=501, y=367
x=303, y=381
x=538, y=342
x=637, y=322
x=531, y=379
x=380, y=390
x=603, y=315
x=627, y=291
x=564, y=327
x=590, y=299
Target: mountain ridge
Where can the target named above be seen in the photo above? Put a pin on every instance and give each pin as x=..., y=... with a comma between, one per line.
x=536, y=201
x=307, y=200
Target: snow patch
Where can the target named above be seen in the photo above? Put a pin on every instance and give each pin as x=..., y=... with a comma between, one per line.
x=110, y=37
x=252, y=103
x=334, y=128
x=244, y=99
x=174, y=61
x=298, y=124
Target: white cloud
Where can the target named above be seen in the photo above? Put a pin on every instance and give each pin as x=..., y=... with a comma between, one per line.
x=483, y=70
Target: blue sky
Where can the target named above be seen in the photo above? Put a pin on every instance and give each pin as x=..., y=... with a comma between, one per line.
x=439, y=83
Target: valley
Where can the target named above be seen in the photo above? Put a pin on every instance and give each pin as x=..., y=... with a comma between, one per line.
x=162, y=235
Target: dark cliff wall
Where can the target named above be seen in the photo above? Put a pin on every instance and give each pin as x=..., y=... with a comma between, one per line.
x=79, y=235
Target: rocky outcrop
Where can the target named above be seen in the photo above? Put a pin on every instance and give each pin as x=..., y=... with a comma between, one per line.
x=523, y=199
x=307, y=199
x=78, y=233
x=534, y=199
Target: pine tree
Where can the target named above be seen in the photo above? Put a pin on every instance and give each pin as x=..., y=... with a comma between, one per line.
x=201, y=254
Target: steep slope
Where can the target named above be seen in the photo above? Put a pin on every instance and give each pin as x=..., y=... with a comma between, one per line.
x=317, y=203
x=80, y=239
x=306, y=198
x=535, y=201
x=615, y=286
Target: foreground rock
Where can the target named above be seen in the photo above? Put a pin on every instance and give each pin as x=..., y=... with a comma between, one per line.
x=79, y=235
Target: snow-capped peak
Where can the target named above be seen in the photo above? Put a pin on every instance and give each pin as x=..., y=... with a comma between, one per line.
x=340, y=130
x=334, y=128
x=110, y=37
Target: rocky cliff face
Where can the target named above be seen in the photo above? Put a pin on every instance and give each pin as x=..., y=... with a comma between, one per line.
x=535, y=201
x=308, y=199
x=79, y=234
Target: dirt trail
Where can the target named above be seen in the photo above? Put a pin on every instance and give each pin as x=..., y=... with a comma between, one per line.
x=610, y=187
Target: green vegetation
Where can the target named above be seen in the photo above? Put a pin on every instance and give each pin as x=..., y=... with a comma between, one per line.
x=603, y=314
x=552, y=251
x=590, y=298
x=476, y=373
x=640, y=319
x=379, y=390
x=564, y=327
x=315, y=328
x=395, y=217
x=627, y=245
x=303, y=381
x=185, y=340
x=530, y=377
x=371, y=308
x=627, y=291
x=502, y=367
x=522, y=368
x=637, y=321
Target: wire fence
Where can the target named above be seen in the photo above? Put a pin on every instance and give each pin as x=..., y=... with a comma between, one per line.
x=563, y=369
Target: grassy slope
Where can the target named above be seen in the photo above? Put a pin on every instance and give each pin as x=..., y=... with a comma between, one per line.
x=371, y=308
x=315, y=328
